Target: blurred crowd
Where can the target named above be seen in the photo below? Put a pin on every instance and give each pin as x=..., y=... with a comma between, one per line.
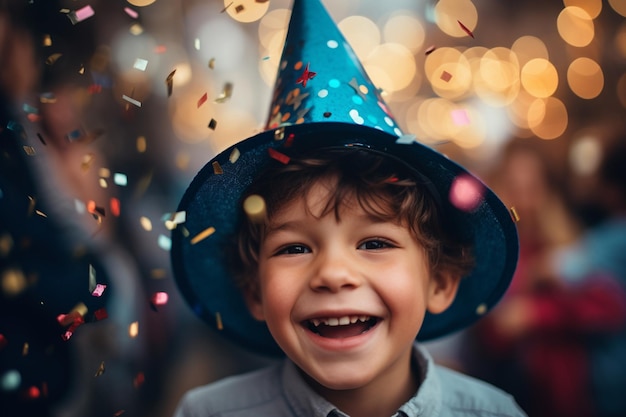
x=84, y=330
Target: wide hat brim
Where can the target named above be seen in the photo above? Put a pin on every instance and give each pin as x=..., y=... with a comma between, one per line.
x=212, y=206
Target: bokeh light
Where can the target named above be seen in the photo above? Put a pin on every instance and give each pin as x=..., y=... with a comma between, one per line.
x=585, y=78
x=539, y=77
x=575, y=26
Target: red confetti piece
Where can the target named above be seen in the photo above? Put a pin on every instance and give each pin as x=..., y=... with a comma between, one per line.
x=280, y=157
x=3, y=341
x=139, y=380
x=289, y=140
x=101, y=314
x=160, y=49
x=446, y=76
x=465, y=29
x=33, y=392
x=202, y=100
x=115, y=206
x=306, y=76
x=94, y=89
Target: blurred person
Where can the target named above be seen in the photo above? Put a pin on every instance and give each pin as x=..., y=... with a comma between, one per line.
x=537, y=345
x=600, y=251
x=54, y=248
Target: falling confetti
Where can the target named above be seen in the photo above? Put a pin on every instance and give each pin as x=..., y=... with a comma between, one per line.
x=99, y=290
x=203, y=235
x=465, y=29
x=159, y=299
x=430, y=50
x=100, y=370
x=169, y=81
x=514, y=214
x=460, y=117
x=132, y=13
x=226, y=93
x=131, y=100
x=212, y=124
x=254, y=207
x=217, y=168
x=218, y=321
x=81, y=14
x=133, y=329
x=446, y=76
x=280, y=157
x=202, y=100
x=140, y=64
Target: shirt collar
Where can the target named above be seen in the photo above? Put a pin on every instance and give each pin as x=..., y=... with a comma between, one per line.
x=306, y=403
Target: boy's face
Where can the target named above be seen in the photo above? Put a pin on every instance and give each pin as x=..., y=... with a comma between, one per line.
x=344, y=298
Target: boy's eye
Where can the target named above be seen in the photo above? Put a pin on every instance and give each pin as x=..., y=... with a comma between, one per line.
x=374, y=244
x=293, y=250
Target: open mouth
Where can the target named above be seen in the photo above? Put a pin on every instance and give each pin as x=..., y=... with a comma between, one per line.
x=341, y=327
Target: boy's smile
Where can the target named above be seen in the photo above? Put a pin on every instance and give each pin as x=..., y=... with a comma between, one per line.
x=345, y=297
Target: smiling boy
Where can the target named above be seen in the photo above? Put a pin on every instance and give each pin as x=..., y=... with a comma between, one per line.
x=358, y=250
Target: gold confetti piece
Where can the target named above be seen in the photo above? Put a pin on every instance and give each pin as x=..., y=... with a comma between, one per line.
x=234, y=155
x=212, y=124
x=31, y=205
x=13, y=282
x=279, y=133
x=29, y=150
x=53, y=58
x=254, y=207
x=133, y=329
x=47, y=40
x=6, y=244
x=87, y=160
x=103, y=183
x=217, y=169
x=170, y=83
x=100, y=370
x=145, y=223
x=184, y=231
x=131, y=100
x=239, y=8
x=40, y=213
x=227, y=6
x=158, y=273
x=142, y=145
x=203, y=235
x=514, y=214
x=136, y=29
x=226, y=93
x=212, y=63
x=218, y=321
x=25, y=349
x=481, y=309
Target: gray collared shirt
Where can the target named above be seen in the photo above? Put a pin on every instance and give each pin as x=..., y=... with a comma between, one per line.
x=280, y=391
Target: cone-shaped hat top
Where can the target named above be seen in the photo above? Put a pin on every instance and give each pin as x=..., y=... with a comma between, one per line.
x=320, y=79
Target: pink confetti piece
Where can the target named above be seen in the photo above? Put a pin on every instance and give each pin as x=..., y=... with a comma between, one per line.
x=132, y=13
x=81, y=14
x=159, y=298
x=99, y=290
x=460, y=117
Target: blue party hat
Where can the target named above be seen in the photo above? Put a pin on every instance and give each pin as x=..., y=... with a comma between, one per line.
x=324, y=99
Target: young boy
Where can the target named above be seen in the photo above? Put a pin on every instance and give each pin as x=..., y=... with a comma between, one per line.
x=336, y=241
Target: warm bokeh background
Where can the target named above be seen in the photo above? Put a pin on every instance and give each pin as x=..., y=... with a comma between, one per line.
x=117, y=104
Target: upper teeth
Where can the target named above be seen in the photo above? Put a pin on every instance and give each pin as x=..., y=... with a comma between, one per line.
x=339, y=321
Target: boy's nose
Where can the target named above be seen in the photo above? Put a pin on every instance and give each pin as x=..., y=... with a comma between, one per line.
x=334, y=272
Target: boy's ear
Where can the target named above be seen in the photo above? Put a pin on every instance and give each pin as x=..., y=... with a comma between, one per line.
x=253, y=300
x=441, y=291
